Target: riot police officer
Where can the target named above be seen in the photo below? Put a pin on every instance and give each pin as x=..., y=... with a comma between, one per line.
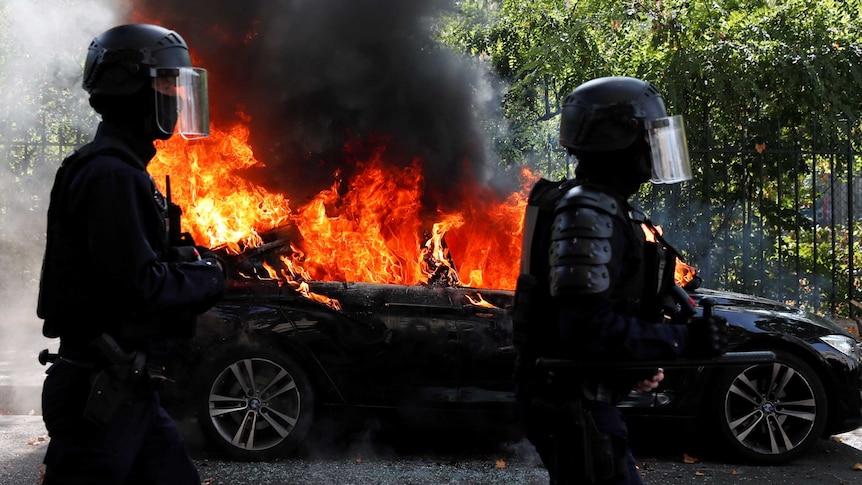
x=111, y=288
x=594, y=289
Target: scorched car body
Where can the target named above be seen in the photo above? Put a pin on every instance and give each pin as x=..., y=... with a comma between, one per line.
x=266, y=359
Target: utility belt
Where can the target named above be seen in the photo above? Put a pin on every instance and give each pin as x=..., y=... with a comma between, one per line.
x=600, y=392
x=564, y=385
x=115, y=375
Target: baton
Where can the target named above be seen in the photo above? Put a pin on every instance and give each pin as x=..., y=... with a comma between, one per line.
x=726, y=359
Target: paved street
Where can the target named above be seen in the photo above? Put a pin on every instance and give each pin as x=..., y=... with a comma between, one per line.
x=370, y=457
x=384, y=461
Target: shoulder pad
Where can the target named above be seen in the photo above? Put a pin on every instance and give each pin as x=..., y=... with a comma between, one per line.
x=578, y=280
x=580, y=246
x=590, y=197
x=584, y=216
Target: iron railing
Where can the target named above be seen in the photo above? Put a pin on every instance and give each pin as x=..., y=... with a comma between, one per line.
x=774, y=214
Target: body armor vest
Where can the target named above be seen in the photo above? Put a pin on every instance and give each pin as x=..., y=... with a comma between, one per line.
x=566, y=247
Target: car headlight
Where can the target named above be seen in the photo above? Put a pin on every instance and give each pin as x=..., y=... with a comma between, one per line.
x=841, y=343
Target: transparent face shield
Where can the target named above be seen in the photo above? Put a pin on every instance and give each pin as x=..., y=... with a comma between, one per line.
x=670, y=162
x=182, y=102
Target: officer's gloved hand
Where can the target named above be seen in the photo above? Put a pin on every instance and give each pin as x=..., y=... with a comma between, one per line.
x=208, y=254
x=707, y=337
x=183, y=254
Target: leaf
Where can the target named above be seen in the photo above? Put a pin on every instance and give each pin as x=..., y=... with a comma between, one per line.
x=35, y=441
x=500, y=464
x=686, y=458
x=760, y=147
x=698, y=473
x=857, y=467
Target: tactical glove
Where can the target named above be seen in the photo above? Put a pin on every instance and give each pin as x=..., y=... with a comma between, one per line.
x=706, y=337
x=183, y=254
x=208, y=254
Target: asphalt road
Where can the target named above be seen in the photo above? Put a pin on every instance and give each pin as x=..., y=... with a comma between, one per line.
x=373, y=456
x=376, y=453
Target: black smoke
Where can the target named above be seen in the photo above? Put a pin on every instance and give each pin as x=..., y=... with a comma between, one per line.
x=315, y=75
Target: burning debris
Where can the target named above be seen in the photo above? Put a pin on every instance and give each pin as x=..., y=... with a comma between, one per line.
x=374, y=158
x=368, y=231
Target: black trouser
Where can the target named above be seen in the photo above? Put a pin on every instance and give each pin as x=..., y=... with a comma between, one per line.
x=140, y=446
x=556, y=431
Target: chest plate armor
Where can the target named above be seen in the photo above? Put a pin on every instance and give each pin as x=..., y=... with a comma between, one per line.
x=581, y=251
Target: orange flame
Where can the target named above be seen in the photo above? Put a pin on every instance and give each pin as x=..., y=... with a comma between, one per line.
x=651, y=231
x=303, y=289
x=370, y=232
x=682, y=273
x=479, y=301
x=218, y=206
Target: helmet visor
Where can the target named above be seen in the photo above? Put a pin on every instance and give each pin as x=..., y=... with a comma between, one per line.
x=670, y=162
x=182, y=102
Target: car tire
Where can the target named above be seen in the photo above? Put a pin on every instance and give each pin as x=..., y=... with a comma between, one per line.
x=254, y=404
x=771, y=413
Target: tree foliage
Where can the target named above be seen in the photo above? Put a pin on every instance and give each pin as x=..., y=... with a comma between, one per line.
x=768, y=88
x=720, y=62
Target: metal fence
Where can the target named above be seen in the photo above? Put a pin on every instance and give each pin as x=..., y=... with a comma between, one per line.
x=31, y=152
x=773, y=212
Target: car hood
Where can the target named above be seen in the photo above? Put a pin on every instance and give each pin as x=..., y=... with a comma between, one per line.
x=768, y=314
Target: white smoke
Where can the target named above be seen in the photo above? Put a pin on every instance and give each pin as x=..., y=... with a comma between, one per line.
x=42, y=48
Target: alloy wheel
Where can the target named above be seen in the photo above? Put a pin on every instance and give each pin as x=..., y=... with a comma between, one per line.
x=772, y=412
x=255, y=404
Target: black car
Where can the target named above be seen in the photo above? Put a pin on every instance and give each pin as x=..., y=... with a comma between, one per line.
x=271, y=356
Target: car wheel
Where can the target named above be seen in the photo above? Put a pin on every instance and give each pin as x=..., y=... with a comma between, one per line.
x=771, y=413
x=255, y=405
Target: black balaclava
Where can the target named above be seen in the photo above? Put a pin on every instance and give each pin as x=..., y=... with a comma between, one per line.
x=623, y=171
x=135, y=113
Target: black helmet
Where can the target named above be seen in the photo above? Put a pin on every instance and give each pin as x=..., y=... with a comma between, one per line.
x=617, y=114
x=607, y=114
x=121, y=60
x=135, y=60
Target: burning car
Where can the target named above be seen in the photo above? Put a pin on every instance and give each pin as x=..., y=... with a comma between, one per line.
x=350, y=301
x=272, y=355
x=353, y=300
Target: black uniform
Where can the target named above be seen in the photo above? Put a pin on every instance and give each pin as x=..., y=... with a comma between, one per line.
x=105, y=272
x=593, y=288
x=593, y=255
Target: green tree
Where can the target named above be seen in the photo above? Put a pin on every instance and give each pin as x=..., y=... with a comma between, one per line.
x=753, y=79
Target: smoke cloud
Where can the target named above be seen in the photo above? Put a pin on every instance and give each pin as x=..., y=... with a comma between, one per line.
x=41, y=55
x=315, y=75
